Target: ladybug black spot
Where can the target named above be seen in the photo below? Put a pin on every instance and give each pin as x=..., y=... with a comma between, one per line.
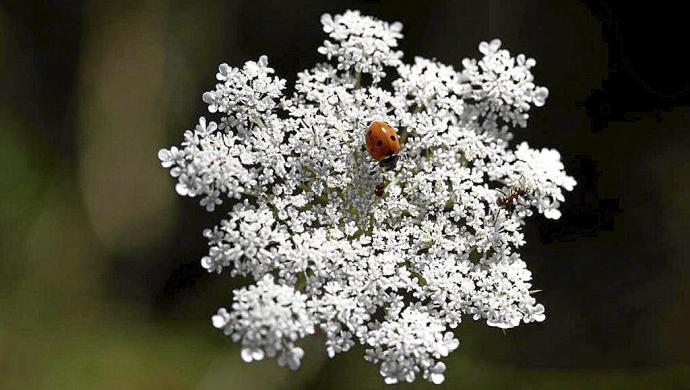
x=379, y=143
x=392, y=138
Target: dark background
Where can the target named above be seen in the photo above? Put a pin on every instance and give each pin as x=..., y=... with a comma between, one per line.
x=100, y=282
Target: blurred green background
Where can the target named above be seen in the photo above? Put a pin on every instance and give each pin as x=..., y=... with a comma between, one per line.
x=100, y=282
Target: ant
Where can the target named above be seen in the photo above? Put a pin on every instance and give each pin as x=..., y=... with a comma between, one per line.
x=509, y=202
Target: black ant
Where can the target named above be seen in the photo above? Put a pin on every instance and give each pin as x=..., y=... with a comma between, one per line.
x=509, y=202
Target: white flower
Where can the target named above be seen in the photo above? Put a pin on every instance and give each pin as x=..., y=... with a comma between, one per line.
x=409, y=344
x=502, y=88
x=394, y=273
x=267, y=319
x=362, y=43
x=292, y=358
x=436, y=373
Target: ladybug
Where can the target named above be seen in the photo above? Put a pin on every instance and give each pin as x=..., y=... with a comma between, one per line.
x=383, y=144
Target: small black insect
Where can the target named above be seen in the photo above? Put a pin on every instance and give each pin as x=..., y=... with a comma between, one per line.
x=509, y=201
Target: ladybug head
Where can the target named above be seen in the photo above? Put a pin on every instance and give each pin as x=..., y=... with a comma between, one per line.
x=389, y=163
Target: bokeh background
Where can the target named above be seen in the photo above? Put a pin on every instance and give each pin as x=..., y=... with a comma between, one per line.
x=100, y=282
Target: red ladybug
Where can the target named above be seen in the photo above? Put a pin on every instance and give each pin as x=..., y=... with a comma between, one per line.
x=383, y=144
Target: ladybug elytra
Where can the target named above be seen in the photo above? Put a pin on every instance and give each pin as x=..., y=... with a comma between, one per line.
x=383, y=143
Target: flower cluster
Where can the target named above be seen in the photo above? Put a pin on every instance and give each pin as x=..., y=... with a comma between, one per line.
x=267, y=319
x=361, y=44
x=393, y=273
